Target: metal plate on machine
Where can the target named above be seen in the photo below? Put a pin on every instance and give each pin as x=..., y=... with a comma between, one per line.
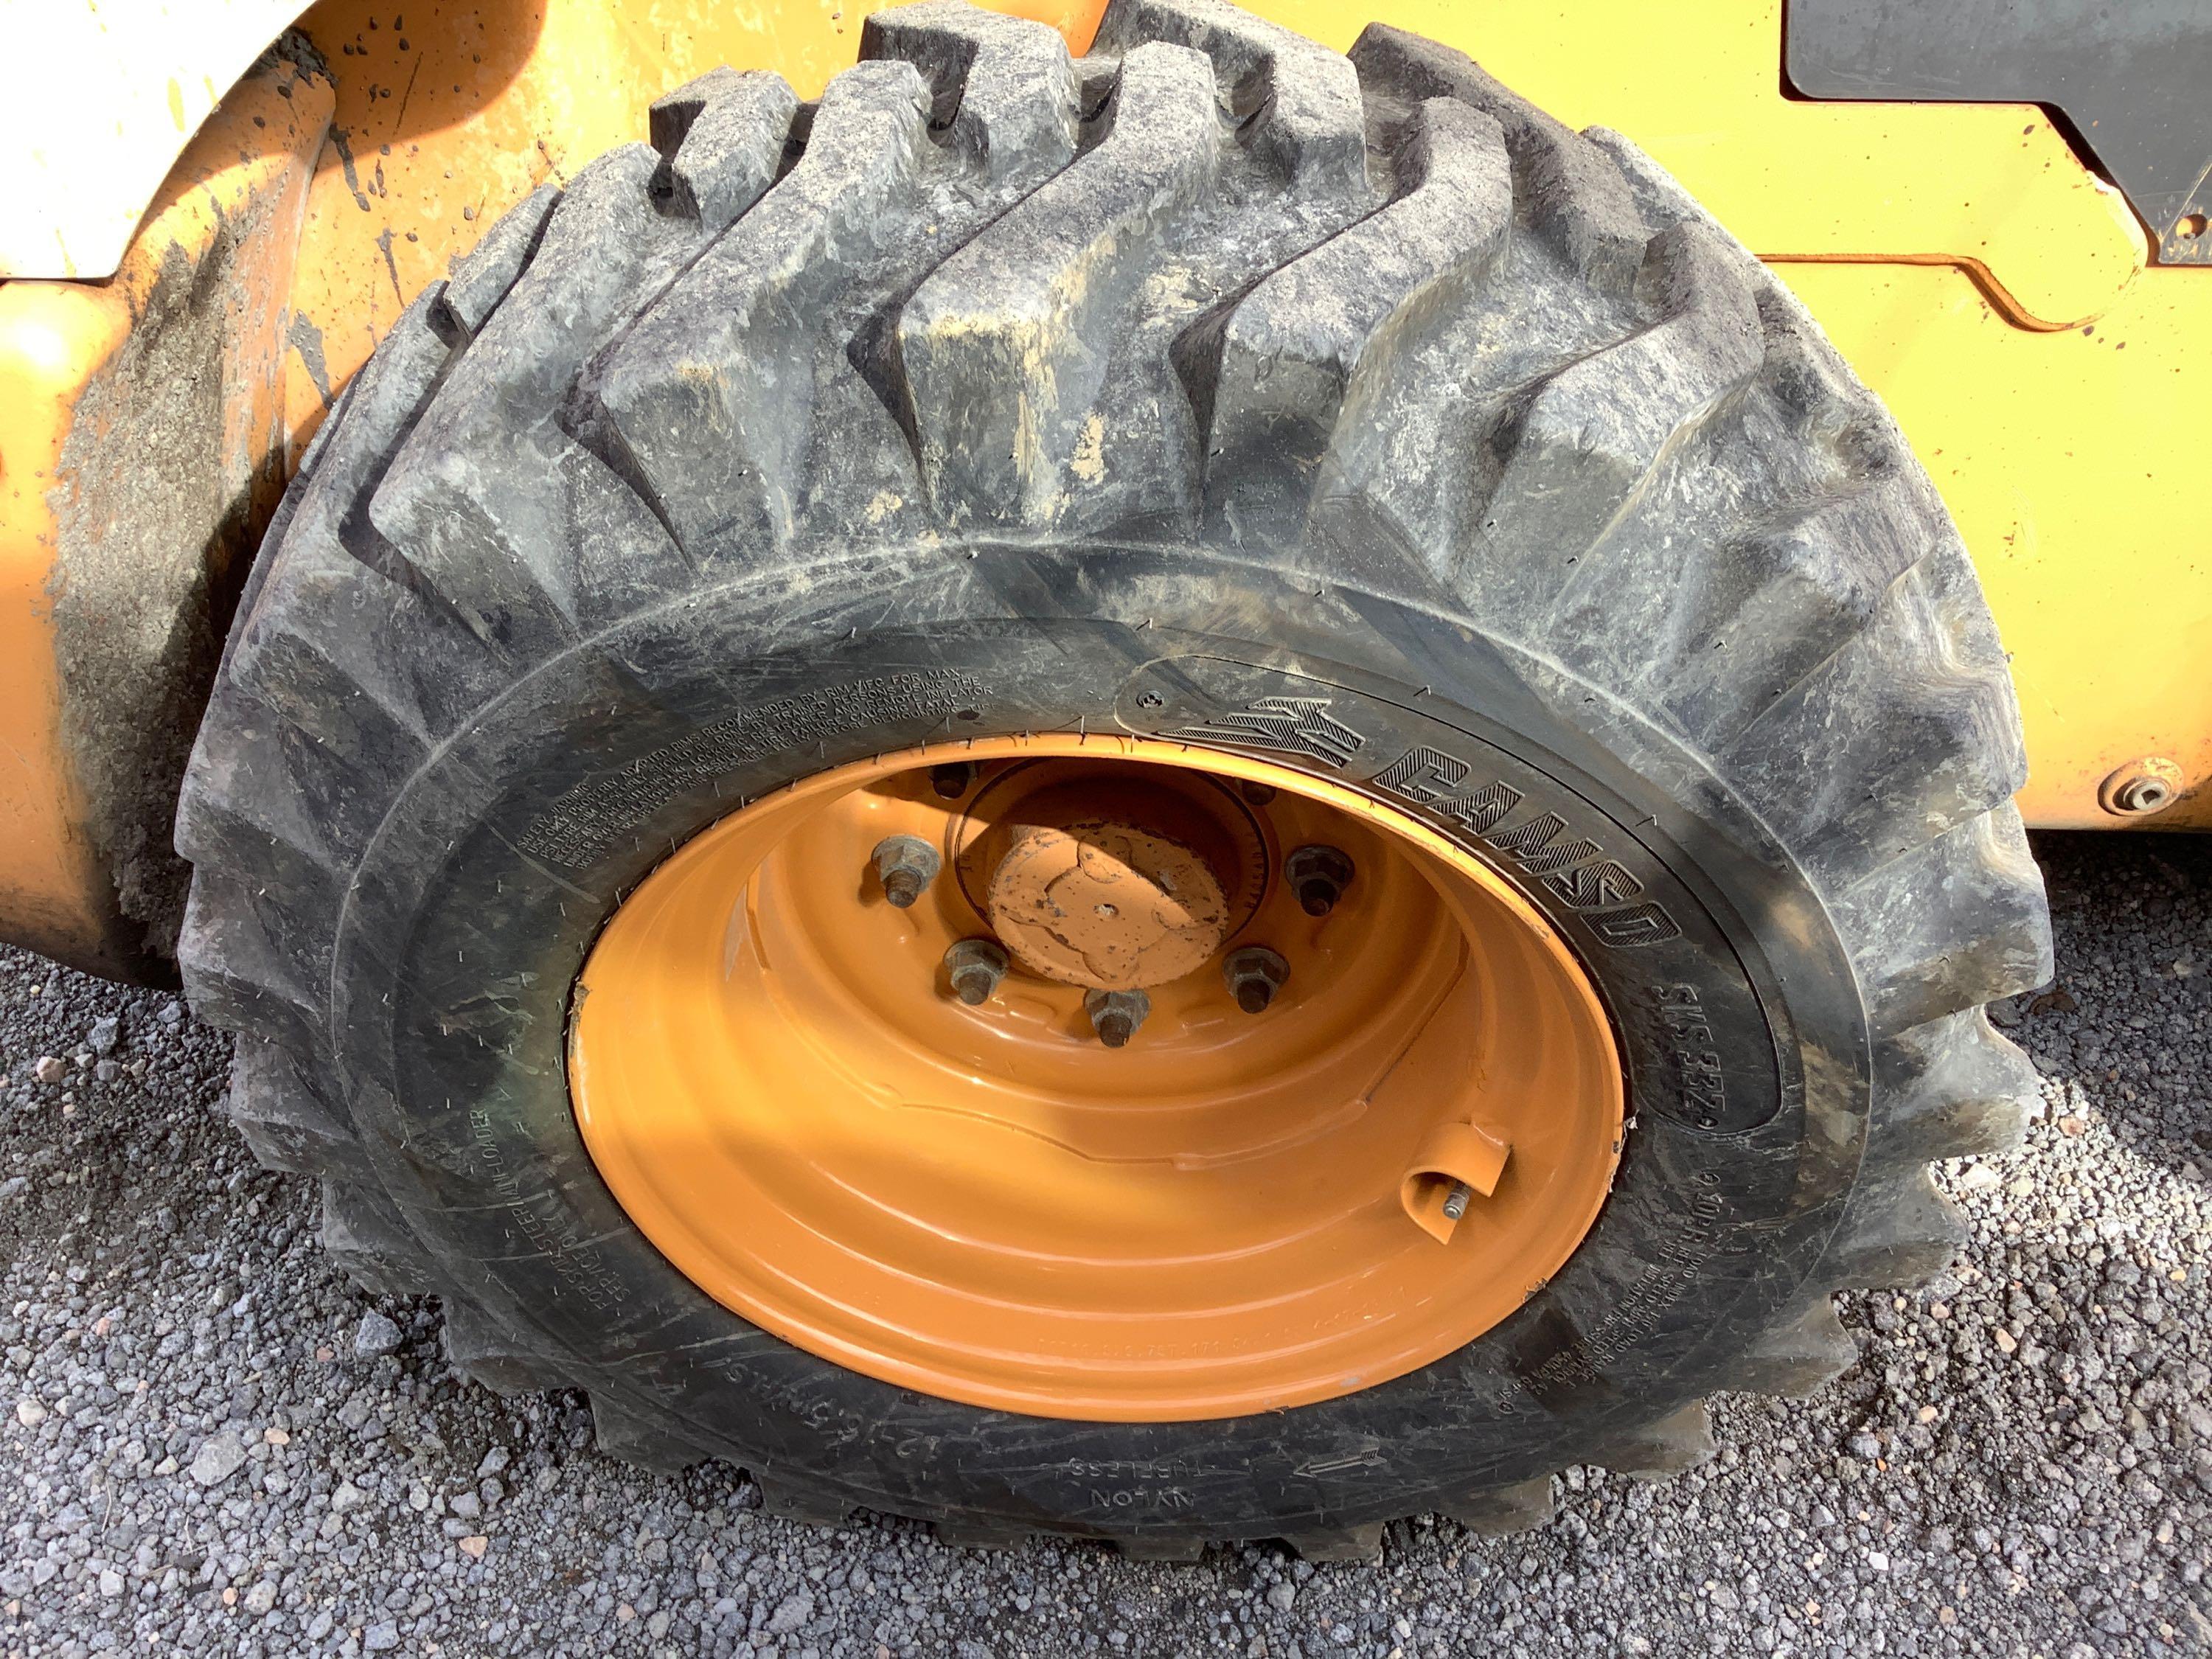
x=2134, y=79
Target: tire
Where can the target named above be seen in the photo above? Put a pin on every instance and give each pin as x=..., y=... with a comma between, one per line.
x=1352, y=412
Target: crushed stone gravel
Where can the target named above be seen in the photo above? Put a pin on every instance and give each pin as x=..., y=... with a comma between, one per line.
x=218, y=1445
x=376, y=1336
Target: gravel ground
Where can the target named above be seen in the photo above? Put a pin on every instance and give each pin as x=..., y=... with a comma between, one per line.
x=211, y=1443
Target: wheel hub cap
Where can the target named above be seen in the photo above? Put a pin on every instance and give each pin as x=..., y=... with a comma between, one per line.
x=1089, y=894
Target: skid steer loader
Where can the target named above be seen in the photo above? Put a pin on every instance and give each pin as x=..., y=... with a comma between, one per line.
x=1151, y=771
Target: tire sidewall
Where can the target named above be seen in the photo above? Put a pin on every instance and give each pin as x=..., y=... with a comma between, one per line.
x=1740, y=1028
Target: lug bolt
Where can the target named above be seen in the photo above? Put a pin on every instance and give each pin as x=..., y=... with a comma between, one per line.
x=1253, y=974
x=1115, y=1015
x=976, y=966
x=1318, y=875
x=1456, y=1201
x=904, y=865
x=951, y=779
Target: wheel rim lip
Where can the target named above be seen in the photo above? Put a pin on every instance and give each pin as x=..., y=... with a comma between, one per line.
x=1107, y=1386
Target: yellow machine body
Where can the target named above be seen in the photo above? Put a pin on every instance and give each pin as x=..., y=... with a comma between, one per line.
x=1995, y=292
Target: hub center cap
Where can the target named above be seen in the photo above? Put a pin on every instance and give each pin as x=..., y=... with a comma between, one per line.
x=1106, y=904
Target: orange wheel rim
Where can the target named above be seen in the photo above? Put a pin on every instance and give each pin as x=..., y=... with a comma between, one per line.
x=1234, y=1211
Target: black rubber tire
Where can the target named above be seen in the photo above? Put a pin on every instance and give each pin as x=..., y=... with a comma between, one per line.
x=1351, y=411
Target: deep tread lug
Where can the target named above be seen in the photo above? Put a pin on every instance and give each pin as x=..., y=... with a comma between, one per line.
x=1593, y=432
x=1289, y=351
x=238, y=977
x=1950, y=926
x=1772, y=606
x=977, y=1534
x=1664, y=1449
x=227, y=816
x=1362, y=1544
x=721, y=139
x=795, y=1498
x=1894, y=1232
x=1003, y=86
x=1502, y=1511
x=299, y=678
x=291, y=651
x=487, y=1354
x=636, y=1438
x=1574, y=190
x=1798, y=1359
x=669, y=118
x=325, y=528
x=1910, y=740
x=1951, y=1088
x=489, y=500
x=284, y=1118
x=993, y=344
x=226, y=806
x=1145, y=1546
x=1305, y=99
x=365, y=1236
x=483, y=276
x=704, y=406
x=382, y=403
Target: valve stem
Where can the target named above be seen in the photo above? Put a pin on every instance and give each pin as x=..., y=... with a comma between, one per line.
x=1456, y=1201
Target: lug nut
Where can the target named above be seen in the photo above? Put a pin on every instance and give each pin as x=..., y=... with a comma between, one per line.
x=1253, y=974
x=904, y=865
x=1318, y=875
x=976, y=966
x=951, y=779
x=1115, y=1015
